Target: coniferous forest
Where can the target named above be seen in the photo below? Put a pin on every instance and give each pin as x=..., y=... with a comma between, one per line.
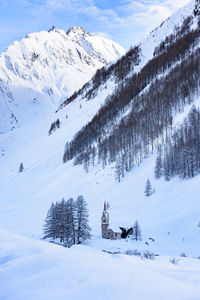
x=180, y=155
x=139, y=115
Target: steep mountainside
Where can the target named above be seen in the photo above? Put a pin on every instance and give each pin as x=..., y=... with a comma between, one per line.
x=150, y=85
x=37, y=72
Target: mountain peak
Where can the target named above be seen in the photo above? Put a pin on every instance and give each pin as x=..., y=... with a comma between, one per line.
x=77, y=30
x=53, y=28
x=47, y=67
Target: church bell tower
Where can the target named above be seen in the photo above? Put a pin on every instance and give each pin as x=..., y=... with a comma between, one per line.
x=104, y=222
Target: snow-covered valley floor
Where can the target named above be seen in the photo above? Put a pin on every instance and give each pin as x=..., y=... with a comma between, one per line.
x=32, y=269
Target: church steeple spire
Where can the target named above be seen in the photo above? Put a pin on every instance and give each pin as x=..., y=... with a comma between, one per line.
x=106, y=232
x=104, y=221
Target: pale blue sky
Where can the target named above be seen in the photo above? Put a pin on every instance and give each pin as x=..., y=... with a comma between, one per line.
x=125, y=21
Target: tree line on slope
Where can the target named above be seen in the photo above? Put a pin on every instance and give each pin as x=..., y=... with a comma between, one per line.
x=151, y=111
x=125, y=93
x=180, y=155
x=180, y=31
x=197, y=8
x=68, y=222
x=150, y=119
x=119, y=70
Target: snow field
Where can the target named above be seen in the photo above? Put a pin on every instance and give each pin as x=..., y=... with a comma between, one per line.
x=31, y=269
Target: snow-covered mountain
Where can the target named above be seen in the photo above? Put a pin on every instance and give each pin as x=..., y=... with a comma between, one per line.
x=155, y=84
x=46, y=179
x=139, y=96
x=38, y=72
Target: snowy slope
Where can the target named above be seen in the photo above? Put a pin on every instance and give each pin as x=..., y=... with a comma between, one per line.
x=26, y=197
x=167, y=28
x=98, y=92
x=31, y=269
x=34, y=269
x=170, y=216
x=146, y=48
x=38, y=72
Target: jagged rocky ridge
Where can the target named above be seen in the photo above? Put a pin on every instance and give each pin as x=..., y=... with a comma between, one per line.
x=37, y=72
x=138, y=115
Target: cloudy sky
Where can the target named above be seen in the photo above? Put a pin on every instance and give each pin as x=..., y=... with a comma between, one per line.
x=125, y=21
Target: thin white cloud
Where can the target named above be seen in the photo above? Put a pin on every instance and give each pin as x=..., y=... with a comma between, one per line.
x=106, y=16
x=68, y=3
x=175, y=4
x=148, y=13
x=59, y=3
x=12, y=2
x=127, y=21
x=131, y=13
x=103, y=34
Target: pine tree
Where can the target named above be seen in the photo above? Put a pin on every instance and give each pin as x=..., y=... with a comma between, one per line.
x=148, y=189
x=72, y=221
x=197, y=8
x=21, y=168
x=117, y=171
x=49, y=227
x=137, y=234
x=68, y=221
x=56, y=219
x=61, y=220
x=67, y=224
x=83, y=229
x=70, y=230
x=158, y=167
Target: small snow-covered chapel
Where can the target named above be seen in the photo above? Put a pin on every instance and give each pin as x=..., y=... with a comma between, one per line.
x=106, y=232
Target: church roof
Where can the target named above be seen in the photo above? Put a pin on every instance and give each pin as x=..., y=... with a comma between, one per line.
x=115, y=228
